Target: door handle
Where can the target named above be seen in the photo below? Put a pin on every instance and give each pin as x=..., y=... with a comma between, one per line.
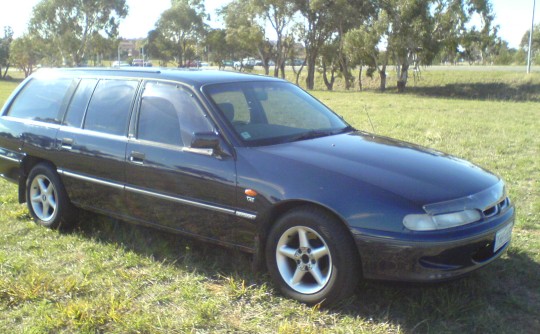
x=66, y=143
x=136, y=157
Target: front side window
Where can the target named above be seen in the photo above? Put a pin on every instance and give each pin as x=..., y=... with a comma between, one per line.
x=273, y=112
x=169, y=114
x=110, y=106
x=41, y=100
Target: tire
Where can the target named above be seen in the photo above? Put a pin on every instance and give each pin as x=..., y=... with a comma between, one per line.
x=312, y=258
x=47, y=199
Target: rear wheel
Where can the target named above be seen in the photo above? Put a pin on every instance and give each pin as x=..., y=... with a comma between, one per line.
x=311, y=257
x=46, y=197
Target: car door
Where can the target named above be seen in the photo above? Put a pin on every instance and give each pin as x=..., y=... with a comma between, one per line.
x=92, y=142
x=171, y=184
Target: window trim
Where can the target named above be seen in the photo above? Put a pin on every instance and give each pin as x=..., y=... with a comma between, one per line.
x=80, y=79
x=130, y=110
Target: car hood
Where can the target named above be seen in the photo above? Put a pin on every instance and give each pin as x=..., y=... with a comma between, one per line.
x=414, y=173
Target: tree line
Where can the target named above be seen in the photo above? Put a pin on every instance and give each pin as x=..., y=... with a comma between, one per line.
x=344, y=39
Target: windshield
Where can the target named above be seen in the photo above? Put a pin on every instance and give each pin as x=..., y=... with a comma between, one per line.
x=266, y=113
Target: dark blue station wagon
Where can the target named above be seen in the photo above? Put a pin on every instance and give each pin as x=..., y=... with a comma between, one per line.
x=254, y=163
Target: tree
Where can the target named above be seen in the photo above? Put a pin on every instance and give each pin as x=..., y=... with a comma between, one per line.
x=349, y=14
x=479, y=45
x=245, y=34
x=100, y=48
x=415, y=31
x=157, y=46
x=26, y=53
x=329, y=58
x=471, y=47
x=296, y=50
x=364, y=47
x=5, y=43
x=524, y=45
x=69, y=24
x=503, y=54
x=180, y=28
x=279, y=13
x=218, y=48
x=318, y=28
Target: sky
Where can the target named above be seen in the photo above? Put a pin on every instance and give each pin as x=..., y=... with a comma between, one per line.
x=514, y=17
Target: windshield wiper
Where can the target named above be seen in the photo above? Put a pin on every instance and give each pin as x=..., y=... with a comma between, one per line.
x=320, y=133
x=346, y=129
x=310, y=135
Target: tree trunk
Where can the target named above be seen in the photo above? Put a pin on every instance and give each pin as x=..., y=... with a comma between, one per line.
x=310, y=79
x=402, y=79
x=279, y=53
x=360, y=78
x=329, y=84
x=382, y=74
x=77, y=59
x=299, y=72
x=342, y=59
x=401, y=86
x=265, y=58
x=346, y=71
x=348, y=79
x=180, y=61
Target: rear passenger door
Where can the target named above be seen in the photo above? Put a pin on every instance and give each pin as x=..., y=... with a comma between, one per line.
x=167, y=182
x=93, y=141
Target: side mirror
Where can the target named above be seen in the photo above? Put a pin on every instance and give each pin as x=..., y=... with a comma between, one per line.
x=205, y=140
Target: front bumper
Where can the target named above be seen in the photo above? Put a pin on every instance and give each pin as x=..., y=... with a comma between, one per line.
x=431, y=257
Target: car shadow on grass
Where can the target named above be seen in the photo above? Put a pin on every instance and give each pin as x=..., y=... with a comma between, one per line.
x=186, y=252
x=503, y=297
x=480, y=91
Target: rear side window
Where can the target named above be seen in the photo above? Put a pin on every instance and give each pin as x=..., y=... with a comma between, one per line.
x=110, y=106
x=79, y=102
x=41, y=100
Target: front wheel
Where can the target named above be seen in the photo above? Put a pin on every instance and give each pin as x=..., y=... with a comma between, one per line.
x=311, y=257
x=46, y=197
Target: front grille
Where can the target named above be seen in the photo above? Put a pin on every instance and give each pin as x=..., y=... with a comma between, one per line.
x=495, y=209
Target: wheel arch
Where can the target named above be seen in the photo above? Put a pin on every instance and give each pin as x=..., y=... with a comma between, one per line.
x=268, y=219
x=27, y=164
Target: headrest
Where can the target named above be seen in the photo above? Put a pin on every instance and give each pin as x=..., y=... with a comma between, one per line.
x=227, y=109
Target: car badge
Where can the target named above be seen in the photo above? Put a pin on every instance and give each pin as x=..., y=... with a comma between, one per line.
x=250, y=195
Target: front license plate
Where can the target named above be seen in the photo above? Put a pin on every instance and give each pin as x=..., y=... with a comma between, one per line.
x=502, y=237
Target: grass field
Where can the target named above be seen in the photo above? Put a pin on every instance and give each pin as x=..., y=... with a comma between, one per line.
x=109, y=276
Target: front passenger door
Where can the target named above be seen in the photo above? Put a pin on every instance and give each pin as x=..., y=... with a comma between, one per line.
x=168, y=183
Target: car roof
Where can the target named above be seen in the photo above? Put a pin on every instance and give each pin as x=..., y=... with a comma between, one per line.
x=193, y=77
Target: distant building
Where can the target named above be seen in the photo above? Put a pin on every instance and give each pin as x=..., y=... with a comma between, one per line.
x=130, y=47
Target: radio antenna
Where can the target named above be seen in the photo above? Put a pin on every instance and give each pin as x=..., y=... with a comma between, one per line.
x=369, y=119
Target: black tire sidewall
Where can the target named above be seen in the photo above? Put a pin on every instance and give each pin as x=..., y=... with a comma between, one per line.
x=345, y=259
x=62, y=203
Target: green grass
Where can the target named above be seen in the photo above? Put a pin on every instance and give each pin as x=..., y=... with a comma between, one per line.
x=110, y=276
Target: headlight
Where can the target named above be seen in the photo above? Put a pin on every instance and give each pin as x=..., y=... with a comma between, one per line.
x=426, y=222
